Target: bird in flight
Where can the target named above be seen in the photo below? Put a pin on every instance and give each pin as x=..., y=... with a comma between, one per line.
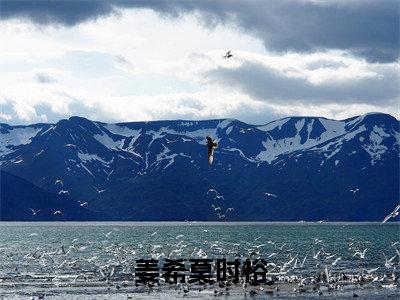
x=361, y=254
x=211, y=145
x=215, y=207
x=59, y=181
x=228, y=54
x=63, y=192
x=270, y=195
x=354, y=191
x=98, y=191
x=57, y=212
x=212, y=191
x=82, y=203
x=34, y=212
x=393, y=214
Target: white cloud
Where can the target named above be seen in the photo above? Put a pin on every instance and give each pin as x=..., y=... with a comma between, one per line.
x=139, y=66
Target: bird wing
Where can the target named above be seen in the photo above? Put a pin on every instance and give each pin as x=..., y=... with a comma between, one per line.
x=386, y=218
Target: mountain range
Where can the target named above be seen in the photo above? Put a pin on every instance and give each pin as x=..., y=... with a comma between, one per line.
x=292, y=169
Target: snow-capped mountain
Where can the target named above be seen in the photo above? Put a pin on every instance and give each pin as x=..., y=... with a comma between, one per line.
x=297, y=168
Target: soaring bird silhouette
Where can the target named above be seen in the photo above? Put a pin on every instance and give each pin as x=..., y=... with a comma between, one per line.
x=228, y=54
x=211, y=145
x=34, y=212
x=393, y=214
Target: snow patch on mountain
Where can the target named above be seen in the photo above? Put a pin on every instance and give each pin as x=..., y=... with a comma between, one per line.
x=199, y=134
x=333, y=128
x=272, y=125
x=16, y=137
x=164, y=156
x=375, y=148
x=225, y=123
x=86, y=157
x=123, y=130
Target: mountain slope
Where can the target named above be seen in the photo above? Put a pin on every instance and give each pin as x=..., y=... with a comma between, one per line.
x=159, y=171
x=19, y=197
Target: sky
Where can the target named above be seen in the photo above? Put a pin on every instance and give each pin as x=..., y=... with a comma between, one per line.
x=121, y=61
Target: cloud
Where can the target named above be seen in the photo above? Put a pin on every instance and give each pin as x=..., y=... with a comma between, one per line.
x=369, y=29
x=271, y=85
x=45, y=12
x=42, y=77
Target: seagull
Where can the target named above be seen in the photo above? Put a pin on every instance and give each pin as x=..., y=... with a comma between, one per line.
x=372, y=270
x=98, y=191
x=168, y=141
x=108, y=234
x=59, y=181
x=315, y=256
x=361, y=254
x=57, y=212
x=336, y=261
x=270, y=195
x=82, y=203
x=219, y=197
x=216, y=208
x=154, y=233
x=228, y=54
x=34, y=212
x=212, y=191
x=64, y=192
x=304, y=260
x=106, y=276
x=230, y=209
x=354, y=191
x=393, y=214
x=211, y=145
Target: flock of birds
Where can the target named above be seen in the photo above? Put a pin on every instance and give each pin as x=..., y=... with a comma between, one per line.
x=321, y=268
x=220, y=211
x=60, y=182
x=218, y=208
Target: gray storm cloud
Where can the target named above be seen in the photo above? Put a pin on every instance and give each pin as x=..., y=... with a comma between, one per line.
x=270, y=85
x=369, y=29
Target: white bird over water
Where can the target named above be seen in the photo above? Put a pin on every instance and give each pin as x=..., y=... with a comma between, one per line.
x=98, y=191
x=336, y=261
x=393, y=214
x=270, y=195
x=361, y=254
x=64, y=192
x=218, y=197
x=216, y=208
x=34, y=212
x=57, y=212
x=212, y=191
x=59, y=181
x=82, y=203
x=354, y=191
x=108, y=234
x=372, y=270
